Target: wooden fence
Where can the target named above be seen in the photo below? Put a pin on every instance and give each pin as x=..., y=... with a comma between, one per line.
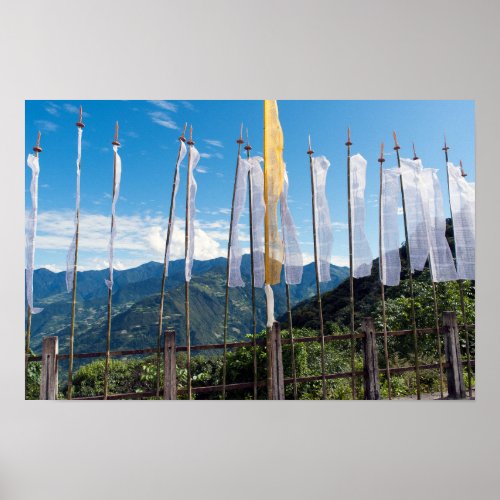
x=275, y=381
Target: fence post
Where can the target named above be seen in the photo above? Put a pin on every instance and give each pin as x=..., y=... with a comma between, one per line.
x=49, y=381
x=370, y=360
x=170, y=373
x=454, y=369
x=275, y=380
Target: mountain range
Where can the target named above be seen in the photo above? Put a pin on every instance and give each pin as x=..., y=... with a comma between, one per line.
x=136, y=296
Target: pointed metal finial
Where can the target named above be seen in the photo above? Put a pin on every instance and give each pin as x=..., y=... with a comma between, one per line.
x=396, y=145
x=415, y=157
x=348, y=143
x=115, y=142
x=182, y=138
x=446, y=147
x=310, y=151
x=248, y=147
x=37, y=149
x=381, y=159
x=240, y=140
x=190, y=142
x=79, y=123
x=462, y=169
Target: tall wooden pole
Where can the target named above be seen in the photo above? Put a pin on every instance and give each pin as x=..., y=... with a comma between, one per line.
x=186, y=242
x=460, y=282
x=110, y=295
x=381, y=160
x=165, y=265
x=80, y=126
x=226, y=307
x=248, y=148
x=436, y=316
x=290, y=330
x=310, y=152
x=37, y=149
x=410, y=276
x=351, y=278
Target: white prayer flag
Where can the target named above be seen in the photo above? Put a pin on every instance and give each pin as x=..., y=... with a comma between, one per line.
x=294, y=264
x=240, y=196
x=258, y=213
x=389, y=260
x=116, y=193
x=361, y=254
x=417, y=231
x=70, y=259
x=462, y=201
x=182, y=154
x=324, y=235
x=270, y=305
x=192, y=187
x=31, y=224
x=440, y=257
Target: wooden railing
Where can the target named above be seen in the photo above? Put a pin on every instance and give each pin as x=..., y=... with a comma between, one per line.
x=275, y=381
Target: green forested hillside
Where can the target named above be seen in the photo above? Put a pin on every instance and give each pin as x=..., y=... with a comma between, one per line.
x=136, y=301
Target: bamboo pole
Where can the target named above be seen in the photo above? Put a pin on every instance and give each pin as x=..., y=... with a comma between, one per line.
x=248, y=148
x=186, y=241
x=110, y=296
x=381, y=160
x=436, y=315
x=292, y=341
x=310, y=152
x=351, y=278
x=37, y=149
x=80, y=126
x=410, y=276
x=239, y=141
x=290, y=329
x=165, y=266
x=460, y=282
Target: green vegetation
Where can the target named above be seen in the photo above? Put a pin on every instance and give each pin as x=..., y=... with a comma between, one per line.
x=135, y=327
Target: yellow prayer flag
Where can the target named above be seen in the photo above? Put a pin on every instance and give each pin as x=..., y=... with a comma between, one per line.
x=274, y=170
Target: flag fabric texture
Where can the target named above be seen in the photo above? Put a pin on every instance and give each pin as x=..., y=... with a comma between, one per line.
x=269, y=305
x=324, y=235
x=194, y=158
x=440, y=257
x=462, y=201
x=33, y=163
x=70, y=259
x=411, y=171
x=389, y=262
x=116, y=194
x=177, y=176
x=361, y=254
x=294, y=264
x=273, y=184
x=258, y=215
x=240, y=196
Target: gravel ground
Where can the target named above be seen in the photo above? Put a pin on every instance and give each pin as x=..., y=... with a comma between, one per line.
x=435, y=396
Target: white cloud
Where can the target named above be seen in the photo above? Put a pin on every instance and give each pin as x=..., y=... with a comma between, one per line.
x=167, y=106
x=188, y=105
x=202, y=170
x=205, y=155
x=219, y=156
x=139, y=238
x=53, y=268
x=71, y=108
x=52, y=109
x=162, y=119
x=46, y=125
x=214, y=142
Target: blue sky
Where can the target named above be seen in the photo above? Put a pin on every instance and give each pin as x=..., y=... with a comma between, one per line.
x=148, y=134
